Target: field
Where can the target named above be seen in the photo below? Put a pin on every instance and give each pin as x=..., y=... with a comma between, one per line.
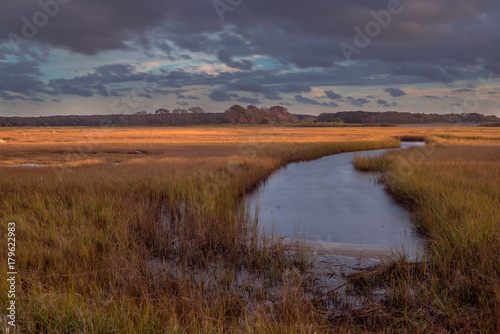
x=141, y=230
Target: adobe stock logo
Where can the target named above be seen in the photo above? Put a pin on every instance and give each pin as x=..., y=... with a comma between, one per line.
x=372, y=29
x=227, y=6
x=30, y=28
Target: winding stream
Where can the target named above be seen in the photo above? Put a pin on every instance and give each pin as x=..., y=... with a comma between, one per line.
x=335, y=209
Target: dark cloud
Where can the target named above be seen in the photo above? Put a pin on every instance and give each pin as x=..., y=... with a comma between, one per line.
x=383, y=103
x=189, y=97
x=305, y=100
x=357, y=102
x=332, y=95
x=84, y=26
x=94, y=83
x=249, y=100
x=183, y=103
x=294, y=87
x=308, y=35
x=463, y=90
x=8, y=97
x=430, y=41
x=73, y=90
x=102, y=90
x=271, y=92
x=395, y=92
x=219, y=96
x=433, y=97
x=225, y=58
x=22, y=77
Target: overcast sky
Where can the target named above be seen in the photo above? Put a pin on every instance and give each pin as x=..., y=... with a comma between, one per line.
x=123, y=56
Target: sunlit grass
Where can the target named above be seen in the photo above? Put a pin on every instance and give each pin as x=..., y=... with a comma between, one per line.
x=454, y=198
x=141, y=229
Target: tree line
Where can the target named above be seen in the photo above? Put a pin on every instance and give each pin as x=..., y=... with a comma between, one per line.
x=238, y=114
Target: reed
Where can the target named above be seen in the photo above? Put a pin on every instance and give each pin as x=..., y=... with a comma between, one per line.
x=141, y=230
x=453, y=195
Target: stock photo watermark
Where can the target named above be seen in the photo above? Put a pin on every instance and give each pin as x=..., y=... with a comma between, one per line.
x=11, y=275
x=221, y=7
x=32, y=25
x=470, y=104
x=372, y=29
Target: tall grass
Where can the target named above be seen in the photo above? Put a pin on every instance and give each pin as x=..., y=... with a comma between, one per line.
x=156, y=244
x=454, y=198
x=158, y=241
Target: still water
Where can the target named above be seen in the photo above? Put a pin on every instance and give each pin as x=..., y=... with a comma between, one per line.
x=327, y=203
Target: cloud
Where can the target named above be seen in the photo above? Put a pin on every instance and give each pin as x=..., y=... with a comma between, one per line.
x=271, y=92
x=73, y=90
x=23, y=77
x=305, y=100
x=249, y=100
x=294, y=87
x=243, y=64
x=332, y=95
x=463, y=90
x=357, y=102
x=277, y=49
x=383, y=103
x=431, y=31
x=219, y=96
x=432, y=97
x=395, y=92
x=94, y=82
x=189, y=97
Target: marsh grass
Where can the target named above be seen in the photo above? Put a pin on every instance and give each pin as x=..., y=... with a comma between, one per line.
x=454, y=199
x=159, y=242
x=368, y=164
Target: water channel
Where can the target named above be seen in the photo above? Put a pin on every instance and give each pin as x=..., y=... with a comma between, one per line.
x=335, y=209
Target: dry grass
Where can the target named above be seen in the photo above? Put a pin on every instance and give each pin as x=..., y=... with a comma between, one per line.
x=156, y=241
x=453, y=193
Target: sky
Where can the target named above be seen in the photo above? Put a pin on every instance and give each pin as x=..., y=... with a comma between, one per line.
x=62, y=57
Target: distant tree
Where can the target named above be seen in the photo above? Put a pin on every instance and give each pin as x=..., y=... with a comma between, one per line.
x=252, y=108
x=238, y=108
x=279, y=109
x=162, y=111
x=197, y=110
x=141, y=113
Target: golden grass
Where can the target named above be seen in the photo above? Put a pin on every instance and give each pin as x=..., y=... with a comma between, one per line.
x=156, y=241
x=453, y=194
x=208, y=135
